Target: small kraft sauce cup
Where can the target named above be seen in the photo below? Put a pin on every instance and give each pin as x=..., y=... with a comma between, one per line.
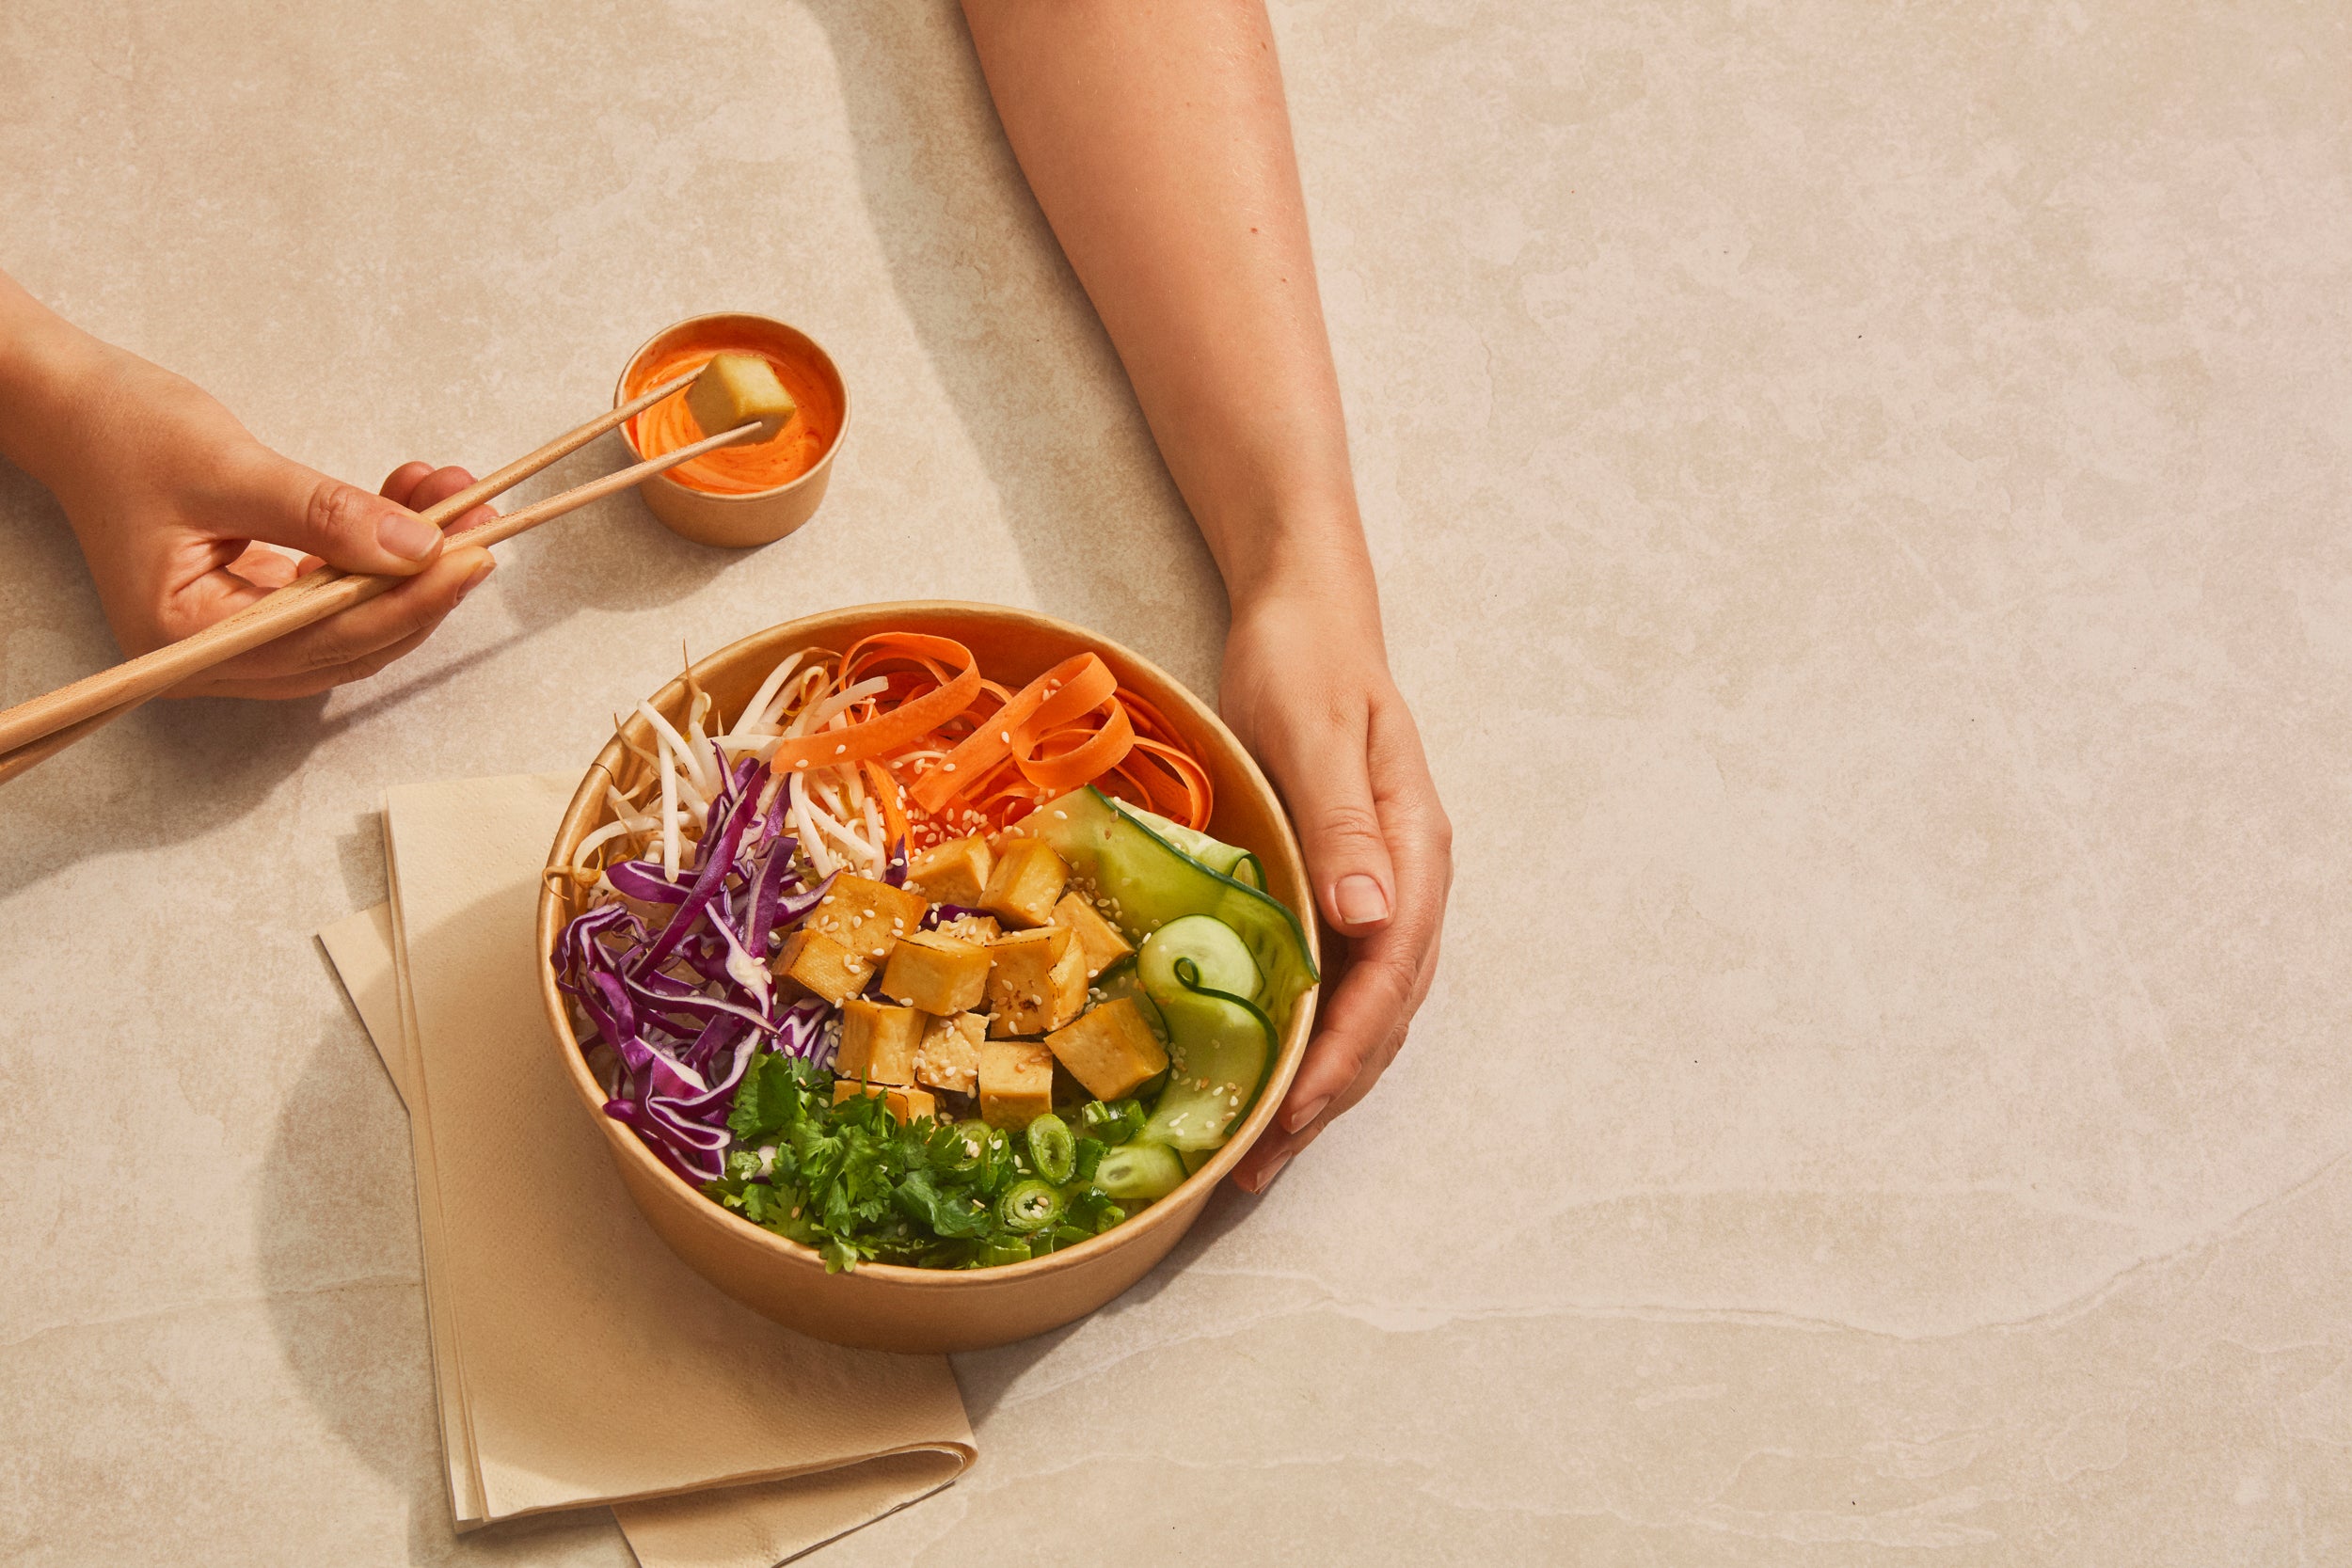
x=752, y=494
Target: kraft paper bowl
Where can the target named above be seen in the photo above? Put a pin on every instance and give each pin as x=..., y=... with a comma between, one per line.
x=884, y=1306
x=763, y=516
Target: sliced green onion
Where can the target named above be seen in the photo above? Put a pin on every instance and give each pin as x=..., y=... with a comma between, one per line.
x=1032, y=1205
x=1005, y=1249
x=961, y=1147
x=997, y=1161
x=1114, y=1121
x=1051, y=1148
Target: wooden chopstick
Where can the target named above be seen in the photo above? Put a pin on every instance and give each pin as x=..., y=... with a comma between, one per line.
x=36, y=730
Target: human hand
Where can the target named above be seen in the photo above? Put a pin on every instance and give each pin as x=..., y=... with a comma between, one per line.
x=175, y=504
x=1307, y=688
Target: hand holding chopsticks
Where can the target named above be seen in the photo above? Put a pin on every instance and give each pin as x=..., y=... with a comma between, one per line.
x=37, y=729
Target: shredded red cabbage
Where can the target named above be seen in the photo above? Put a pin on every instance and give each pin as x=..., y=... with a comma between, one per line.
x=684, y=1043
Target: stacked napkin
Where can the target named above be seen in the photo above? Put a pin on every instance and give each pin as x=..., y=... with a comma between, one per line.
x=578, y=1362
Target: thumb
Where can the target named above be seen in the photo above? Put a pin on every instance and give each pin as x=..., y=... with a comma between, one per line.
x=283, y=502
x=1339, y=826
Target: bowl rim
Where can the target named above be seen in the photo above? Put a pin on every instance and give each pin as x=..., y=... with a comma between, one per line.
x=825, y=460
x=581, y=814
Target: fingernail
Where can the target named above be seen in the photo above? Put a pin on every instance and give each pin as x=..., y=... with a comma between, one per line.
x=1362, y=901
x=474, y=579
x=1272, y=1171
x=1304, y=1114
x=406, y=535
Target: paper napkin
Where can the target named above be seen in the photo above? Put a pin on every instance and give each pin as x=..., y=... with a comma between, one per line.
x=578, y=1362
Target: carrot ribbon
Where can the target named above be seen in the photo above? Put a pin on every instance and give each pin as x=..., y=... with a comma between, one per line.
x=1006, y=751
x=910, y=721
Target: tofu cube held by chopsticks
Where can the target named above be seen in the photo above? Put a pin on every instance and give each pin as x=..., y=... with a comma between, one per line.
x=735, y=389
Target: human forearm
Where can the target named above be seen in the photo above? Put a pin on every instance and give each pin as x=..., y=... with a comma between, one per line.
x=44, y=359
x=1158, y=144
x=1156, y=139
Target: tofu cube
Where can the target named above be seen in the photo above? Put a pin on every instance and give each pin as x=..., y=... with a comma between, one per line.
x=1097, y=937
x=937, y=973
x=949, y=1057
x=735, y=389
x=868, y=917
x=904, y=1104
x=1024, y=881
x=953, y=873
x=1016, y=1082
x=878, y=1041
x=981, y=928
x=1110, y=1049
x=1036, y=981
x=822, y=965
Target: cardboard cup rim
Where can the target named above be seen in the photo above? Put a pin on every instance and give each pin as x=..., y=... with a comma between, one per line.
x=816, y=470
x=1286, y=863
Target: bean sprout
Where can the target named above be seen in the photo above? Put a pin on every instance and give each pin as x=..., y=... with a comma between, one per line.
x=756, y=712
x=669, y=811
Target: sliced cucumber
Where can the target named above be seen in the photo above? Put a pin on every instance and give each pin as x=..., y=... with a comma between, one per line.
x=1216, y=951
x=1123, y=979
x=1194, y=1158
x=1150, y=881
x=1219, y=1046
x=1226, y=860
x=1139, y=1171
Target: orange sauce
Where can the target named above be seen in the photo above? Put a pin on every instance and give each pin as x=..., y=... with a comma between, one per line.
x=748, y=465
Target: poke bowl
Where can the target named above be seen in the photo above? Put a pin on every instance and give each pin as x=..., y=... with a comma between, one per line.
x=757, y=930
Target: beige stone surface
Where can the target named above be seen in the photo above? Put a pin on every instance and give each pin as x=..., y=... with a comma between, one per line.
x=1861, y=492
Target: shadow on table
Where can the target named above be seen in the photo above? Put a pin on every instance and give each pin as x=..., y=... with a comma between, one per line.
x=1017, y=360
x=987, y=1376
x=175, y=770
x=164, y=774
x=335, y=1234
